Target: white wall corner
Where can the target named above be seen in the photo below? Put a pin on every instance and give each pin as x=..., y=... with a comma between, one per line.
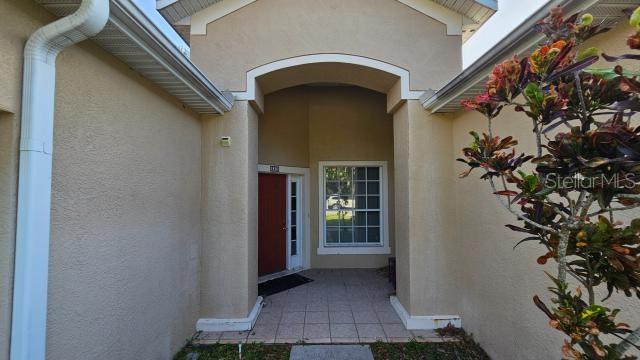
x=425, y=322
x=236, y=324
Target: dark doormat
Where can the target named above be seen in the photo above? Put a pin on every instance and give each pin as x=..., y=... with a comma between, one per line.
x=281, y=284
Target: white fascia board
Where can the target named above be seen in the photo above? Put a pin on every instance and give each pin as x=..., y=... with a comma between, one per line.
x=517, y=42
x=160, y=4
x=491, y=4
x=133, y=22
x=450, y=18
x=148, y=8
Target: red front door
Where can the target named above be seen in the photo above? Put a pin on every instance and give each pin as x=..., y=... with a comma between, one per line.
x=272, y=223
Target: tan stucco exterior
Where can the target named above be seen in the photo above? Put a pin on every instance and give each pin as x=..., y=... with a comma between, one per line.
x=154, y=223
x=125, y=236
x=230, y=214
x=269, y=30
x=304, y=125
x=427, y=273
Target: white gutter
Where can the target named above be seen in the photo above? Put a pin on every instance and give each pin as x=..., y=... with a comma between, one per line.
x=516, y=42
x=29, y=317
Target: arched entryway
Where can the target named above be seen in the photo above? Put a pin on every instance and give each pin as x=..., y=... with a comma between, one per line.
x=340, y=91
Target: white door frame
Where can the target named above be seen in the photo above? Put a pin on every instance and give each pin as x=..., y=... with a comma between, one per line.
x=304, y=207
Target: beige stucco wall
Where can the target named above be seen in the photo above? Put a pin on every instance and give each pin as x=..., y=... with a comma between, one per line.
x=304, y=125
x=427, y=261
x=270, y=30
x=125, y=235
x=230, y=214
x=497, y=282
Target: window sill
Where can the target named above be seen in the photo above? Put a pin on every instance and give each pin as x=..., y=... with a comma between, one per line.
x=378, y=250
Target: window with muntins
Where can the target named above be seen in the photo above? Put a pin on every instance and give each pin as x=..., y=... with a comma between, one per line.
x=353, y=205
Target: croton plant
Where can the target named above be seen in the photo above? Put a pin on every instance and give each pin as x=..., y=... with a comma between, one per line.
x=571, y=195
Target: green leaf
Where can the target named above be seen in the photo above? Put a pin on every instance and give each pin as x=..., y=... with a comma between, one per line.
x=533, y=93
x=608, y=73
x=545, y=191
x=635, y=18
x=592, y=51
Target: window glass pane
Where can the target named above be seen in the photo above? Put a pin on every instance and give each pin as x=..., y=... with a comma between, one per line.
x=294, y=233
x=360, y=218
x=360, y=235
x=348, y=202
x=361, y=202
x=294, y=248
x=346, y=187
x=332, y=218
x=331, y=173
x=332, y=235
x=373, y=218
x=339, y=173
x=333, y=187
x=346, y=174
x=294, y=218
x=294, y=189
x=373, y=235
x=346, y=235
x=334, y=202
x=294, y=203
x=346, y=218
x=373, y=173
x=373, y=202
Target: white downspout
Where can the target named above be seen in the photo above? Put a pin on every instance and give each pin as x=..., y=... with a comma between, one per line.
x=29, y=317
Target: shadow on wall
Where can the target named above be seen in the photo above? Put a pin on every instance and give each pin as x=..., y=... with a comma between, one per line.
x=9, y=139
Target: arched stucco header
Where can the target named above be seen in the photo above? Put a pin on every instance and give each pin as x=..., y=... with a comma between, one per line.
x=252, y=92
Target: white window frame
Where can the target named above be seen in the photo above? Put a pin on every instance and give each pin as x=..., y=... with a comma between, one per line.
x=383, y=247
x=294, y=261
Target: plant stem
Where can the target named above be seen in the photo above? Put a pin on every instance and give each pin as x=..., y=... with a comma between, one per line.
x=583, y=106
x=592, y=297
x=504, y=185
x=611, y=209
x=536, y=129
x=562, y=254
x=520, y=216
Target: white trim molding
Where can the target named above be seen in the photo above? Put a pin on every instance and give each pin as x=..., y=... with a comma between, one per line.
x=423, y=322
x=235, y=324
x=374, y=249
x=253, y=93
x=451, y=18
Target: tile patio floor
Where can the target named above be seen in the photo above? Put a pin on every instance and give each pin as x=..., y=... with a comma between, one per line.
x=339, y=306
